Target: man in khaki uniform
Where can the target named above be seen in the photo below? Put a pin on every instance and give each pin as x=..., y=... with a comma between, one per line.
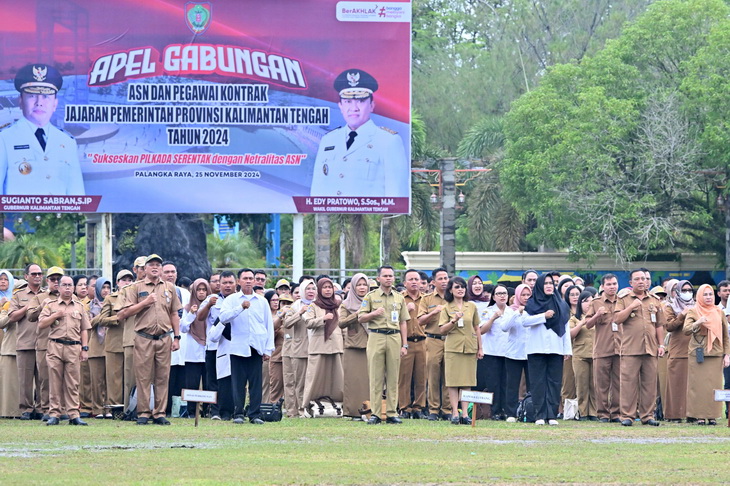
x=53, y=276
x=606, y=351
x=413, y=365
x=154, y=302
x=69, y=324
x=642, y=318
x=428, y=316
x=128, y=335
x=138, y=267
x=25, y=344
x=113, y=342
x=387, y=316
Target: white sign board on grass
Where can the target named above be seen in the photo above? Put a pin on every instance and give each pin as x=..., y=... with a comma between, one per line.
x=477, y=397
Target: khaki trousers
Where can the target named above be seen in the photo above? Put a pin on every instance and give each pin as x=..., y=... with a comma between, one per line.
x=97, y=375
x=384, y=365
x=438, y=395
x=42, y=386
x=129, y=378
x=567, y=389
x=64, y=374
x=295, y=373
x=27, y=373
x=152, y=368
x=413, y=369
x=584, y=387
x=276, y=381
x=114, y=372
x=85, y=389
x=638, y=385
x=607, y=382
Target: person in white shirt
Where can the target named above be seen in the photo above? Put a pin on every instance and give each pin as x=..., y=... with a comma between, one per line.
x=723, y=291
x=252, y=342
x=195, y=328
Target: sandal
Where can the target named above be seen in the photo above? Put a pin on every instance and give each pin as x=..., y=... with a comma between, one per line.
x=701, y=422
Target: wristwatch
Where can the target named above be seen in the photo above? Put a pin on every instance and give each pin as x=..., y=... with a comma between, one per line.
x=405, y=346
x=84, y=348
x=177, y=337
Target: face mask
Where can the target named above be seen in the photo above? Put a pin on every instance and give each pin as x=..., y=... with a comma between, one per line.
x=686, y=295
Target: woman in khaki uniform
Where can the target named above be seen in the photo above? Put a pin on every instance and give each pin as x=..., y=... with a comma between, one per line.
x=295, y=351
x=709, y=352
x=8, y=338
x=676, y=309
x=324, y=368
x=355, y=360
x=583, y=357
x=459, y=322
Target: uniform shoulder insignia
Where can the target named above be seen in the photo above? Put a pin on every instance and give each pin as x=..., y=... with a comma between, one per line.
x=20, y=287
x=623, y=293
x=336, y=128
x=66, y=133
x=392, y=132
x=5, y=126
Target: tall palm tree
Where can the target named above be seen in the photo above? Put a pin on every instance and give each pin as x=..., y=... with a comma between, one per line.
x=27, y=249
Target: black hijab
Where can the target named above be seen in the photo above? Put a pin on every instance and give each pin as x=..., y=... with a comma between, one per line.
x=540, y=302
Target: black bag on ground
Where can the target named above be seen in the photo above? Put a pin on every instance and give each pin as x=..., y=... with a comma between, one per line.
x=526, y=410
x=271, y=412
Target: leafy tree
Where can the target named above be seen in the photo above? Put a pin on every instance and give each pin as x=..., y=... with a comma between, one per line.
x=26, y=249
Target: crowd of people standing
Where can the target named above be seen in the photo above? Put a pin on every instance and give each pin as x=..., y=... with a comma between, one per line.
x=369, y=349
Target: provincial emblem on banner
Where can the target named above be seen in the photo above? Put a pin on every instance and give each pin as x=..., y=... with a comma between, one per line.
x=198, y=16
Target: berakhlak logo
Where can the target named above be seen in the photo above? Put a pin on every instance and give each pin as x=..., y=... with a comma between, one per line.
x=198, y=16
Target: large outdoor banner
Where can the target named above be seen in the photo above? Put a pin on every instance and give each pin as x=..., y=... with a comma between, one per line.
x=237, y=106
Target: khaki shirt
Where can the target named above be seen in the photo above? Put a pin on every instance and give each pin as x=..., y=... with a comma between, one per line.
x=37, y=303
x=678, y=340
x=638, y=331
x=27, y=331
x=72, y=324
x=461, y=339
x=583, y=342
x=155, y=319
x=355, y=335
x=314, y=319
x=394, y=305
x=296, y=340
x=698, y=336
x=606, y=341
x=107, y=318
x=7, y=334
x=427, y=304
x=414, y=329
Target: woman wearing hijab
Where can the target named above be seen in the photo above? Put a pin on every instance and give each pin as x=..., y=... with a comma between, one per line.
x=8, y=340
x=296, y=350
x=490, y=369
x=278, y=304
x=324, y=377
x=355, y=360
x=515, y=362
x=709, y=353
x=459, y=322
x=679, y=301
x=548, y=342
x=582, y=361
x=195, y=329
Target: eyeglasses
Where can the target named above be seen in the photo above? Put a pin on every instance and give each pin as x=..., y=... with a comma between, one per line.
x=500, y=293
x=36, y=274
x=54, y=279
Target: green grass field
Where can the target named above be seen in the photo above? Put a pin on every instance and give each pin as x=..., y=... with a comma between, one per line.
x=338, y=451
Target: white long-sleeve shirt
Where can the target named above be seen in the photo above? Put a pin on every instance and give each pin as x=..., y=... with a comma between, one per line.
x=516, y=334
x=494, y=341
x=213, y=314
x=250, y=328
x=541, y=340
x=194, y=352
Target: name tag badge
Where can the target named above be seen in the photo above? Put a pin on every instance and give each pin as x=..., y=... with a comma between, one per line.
x=394, y=316
x=287, y=336
x=653, y=318
x=460, y=322
x=614, y=327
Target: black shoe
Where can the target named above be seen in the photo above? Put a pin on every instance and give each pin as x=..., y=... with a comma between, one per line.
x=37, y=416
x=64, y=417
x=417, y=414
x=455, y=420
x=52, y=421
x=652, y=422
x=393, y=420
x=256, y=421
x=604, y=420
x=465, y=421
x=46, y=417
x=615, y=420
x=77, y=421
x=592, y=418
x=433, y=417
x=374, y=420
x=560, y=416
x=583, y=419
x=405, y=415
x=142, y=420
x=446, y=417
x=161, y=421
x=85, y=415
x=26, y=416
x=627, y=423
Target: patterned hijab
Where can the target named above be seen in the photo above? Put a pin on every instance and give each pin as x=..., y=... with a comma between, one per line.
x=712, y=313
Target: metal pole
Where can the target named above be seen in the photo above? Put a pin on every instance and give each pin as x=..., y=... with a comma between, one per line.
x=448, y=216
x=297, y=246
x=106, y=246
x=342, y=255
